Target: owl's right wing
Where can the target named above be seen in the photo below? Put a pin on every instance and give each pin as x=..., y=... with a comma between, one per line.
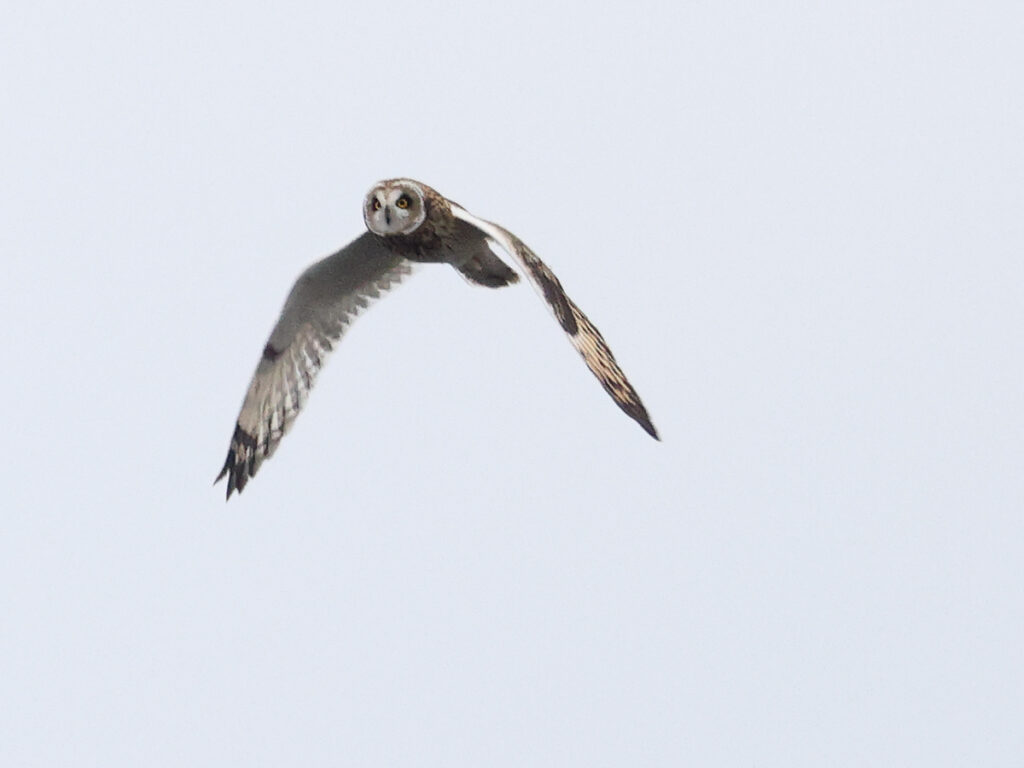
x=322, y=304
x=582, y=333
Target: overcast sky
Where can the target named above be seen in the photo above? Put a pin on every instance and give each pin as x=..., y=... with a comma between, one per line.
x=798, y=225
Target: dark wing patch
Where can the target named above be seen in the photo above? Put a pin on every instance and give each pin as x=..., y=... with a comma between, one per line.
x=324, y=301
x=552, y=289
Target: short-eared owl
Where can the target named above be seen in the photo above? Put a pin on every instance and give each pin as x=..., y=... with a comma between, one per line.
x=408, y=222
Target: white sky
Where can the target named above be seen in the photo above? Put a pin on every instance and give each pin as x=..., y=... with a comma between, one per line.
x=799, y=226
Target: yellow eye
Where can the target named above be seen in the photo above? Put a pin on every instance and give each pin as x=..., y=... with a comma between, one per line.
x=376, y=204
x=403, y=202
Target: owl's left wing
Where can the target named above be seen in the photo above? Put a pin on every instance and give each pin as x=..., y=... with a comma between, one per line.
x=322, y=304
x=582, y=333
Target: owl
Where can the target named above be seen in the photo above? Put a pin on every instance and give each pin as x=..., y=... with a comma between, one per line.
x=407, y=223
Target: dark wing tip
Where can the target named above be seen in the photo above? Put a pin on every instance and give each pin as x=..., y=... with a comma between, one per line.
x=240, y=464
x=636, y=411
x=599, y=359
x=645, y=422
x=228, y=470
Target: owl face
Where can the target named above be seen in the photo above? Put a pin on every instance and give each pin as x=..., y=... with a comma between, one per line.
x=394, y=207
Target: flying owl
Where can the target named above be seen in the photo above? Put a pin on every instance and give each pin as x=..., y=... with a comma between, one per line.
x=408, y=222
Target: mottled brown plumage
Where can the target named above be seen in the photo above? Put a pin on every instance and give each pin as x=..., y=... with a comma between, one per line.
x=431, y=240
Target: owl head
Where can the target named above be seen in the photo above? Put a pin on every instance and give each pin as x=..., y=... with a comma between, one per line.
x=395, y=207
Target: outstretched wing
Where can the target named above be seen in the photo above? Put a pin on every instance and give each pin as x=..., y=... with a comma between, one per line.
x=322, y=304
x=582, y=333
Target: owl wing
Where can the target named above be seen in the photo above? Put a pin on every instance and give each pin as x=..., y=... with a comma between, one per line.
x=324, y=301
x=582, y=333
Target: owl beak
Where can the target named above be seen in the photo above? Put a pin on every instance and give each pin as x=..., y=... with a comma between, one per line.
x=387, y=214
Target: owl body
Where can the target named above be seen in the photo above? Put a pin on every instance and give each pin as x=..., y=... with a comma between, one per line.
x=412, y=220
x=416, y=222
x=407, y=222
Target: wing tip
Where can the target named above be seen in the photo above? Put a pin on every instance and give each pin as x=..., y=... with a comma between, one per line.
x=229, y=470
x=636, y=411
x=240, y=463
x=649, y=428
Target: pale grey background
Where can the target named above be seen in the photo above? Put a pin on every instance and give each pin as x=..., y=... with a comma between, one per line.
x=799, y=226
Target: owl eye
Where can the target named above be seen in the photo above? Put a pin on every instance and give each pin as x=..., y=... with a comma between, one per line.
x=376, y=204
x=403, y=202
